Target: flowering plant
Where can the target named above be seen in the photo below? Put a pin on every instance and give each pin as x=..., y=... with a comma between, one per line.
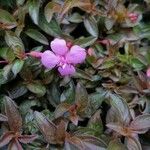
x=74, y=74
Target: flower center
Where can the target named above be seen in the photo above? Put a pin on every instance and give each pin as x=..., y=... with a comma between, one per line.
x=63, y=62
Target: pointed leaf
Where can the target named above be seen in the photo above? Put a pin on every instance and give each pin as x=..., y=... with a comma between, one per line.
x=116, y=145
x=119, y=128
x=6, y=138
x=50, y=9
x=36, y=35
x=3, y=117
x=91, y=26
x=81, y=99
x=15, y=145
x=121, y=106
x=34, y=6
x=47, y=128
x=91, y=142
x=133, y=144
x=140, y=122
x=14, y=118
x=25, y=139
x=7, y=21
x=17, y=66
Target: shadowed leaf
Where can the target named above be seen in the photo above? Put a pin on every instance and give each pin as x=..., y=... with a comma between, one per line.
x=3, y=117
x=7, y=21
x=48, y=129
x=27, y=138
x=14, y=118
x=15, y=145
x=6, y=138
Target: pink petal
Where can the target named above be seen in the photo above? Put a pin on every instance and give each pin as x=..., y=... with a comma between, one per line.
x=76, y=55
x=49, y=59
x=66, y=70
x=59, y=46
x=148, y=72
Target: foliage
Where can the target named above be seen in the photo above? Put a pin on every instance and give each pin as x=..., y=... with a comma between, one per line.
x=104, y=103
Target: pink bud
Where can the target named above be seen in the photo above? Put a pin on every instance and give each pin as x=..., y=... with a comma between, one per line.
x=69, y=44
x=133, y=17
x=90, y=51
x=35, y=54
x=148, y=72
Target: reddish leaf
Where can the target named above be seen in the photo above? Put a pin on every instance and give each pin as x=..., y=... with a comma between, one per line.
x=121, y=107
x=141, y=123
x=27, y=138
x=15, y=145
x=14, y=118
x=3, y=117
x=48, y=129
x=119, y=128
x=6, y=138
x=133, y=144
x=81, y=99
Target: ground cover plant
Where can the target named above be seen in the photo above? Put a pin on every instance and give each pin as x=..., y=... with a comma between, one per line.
x=74, y=74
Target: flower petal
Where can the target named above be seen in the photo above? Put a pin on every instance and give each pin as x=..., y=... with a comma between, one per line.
x=49, y=59
x=76, y=55
x=59, y=46
x=66, y=70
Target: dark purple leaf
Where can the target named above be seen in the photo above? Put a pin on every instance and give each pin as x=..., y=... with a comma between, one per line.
x=15, y=145
x=27, y=138
x=6, y=138
x=14, y=118
x=49, y=130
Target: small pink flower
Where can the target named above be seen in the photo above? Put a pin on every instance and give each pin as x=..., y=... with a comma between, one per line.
x=133, y=17
x=62, y=56
x=148, y=72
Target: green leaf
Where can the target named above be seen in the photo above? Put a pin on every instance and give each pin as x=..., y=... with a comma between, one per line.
x=109, y=23
x=96, y=124
x=116, y=145
x=75, y=18
x=50, y=9
x=34, y=6
x=20, y=2
x=51, y=28
x=85, y=41
x=7, y=54
x=136, y=64
x=7, y=20
x=37, y=88
x=14, y=42
x=36, y=35
x=17, y=66
x=91, y=26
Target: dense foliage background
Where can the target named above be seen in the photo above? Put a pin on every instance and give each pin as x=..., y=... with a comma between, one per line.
x=105, y=104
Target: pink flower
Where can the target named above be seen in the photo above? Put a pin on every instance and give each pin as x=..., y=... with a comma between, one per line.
x=148, y=72
x=63, y=57
x=133, y=17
